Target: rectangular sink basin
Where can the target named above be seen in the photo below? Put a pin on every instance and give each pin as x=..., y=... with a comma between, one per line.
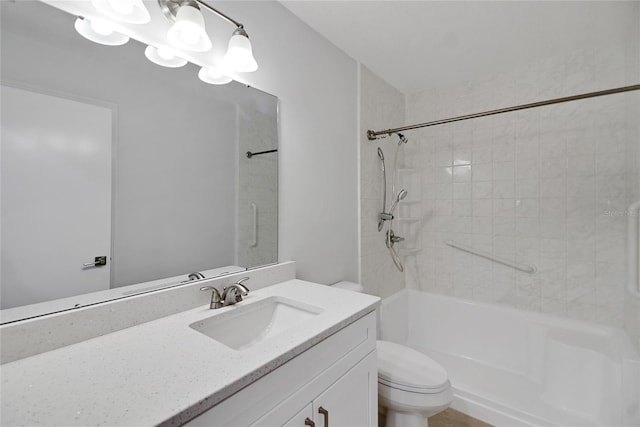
x=248, y=325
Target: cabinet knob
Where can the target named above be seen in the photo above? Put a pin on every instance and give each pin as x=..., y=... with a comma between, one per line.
x=309, y=422
x=324, y=412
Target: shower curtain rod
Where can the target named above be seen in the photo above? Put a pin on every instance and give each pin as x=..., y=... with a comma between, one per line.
x=373, y=135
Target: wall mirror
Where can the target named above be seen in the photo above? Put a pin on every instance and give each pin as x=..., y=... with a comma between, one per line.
x=119, y=176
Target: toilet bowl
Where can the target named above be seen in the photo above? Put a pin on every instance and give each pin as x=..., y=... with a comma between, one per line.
x=411, y=386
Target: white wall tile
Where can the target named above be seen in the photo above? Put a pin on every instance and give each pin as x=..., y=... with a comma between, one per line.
x=462, y=173
x=541, y=186
x=503, y=170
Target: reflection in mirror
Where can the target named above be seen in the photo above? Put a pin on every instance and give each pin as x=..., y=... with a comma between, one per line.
x=119, y=173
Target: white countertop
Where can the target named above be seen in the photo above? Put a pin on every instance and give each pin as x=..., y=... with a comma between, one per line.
x=163, y=372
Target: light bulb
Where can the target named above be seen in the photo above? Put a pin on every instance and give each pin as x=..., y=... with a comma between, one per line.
x=213, y=76
x=99, y=31
x=129, y=11
x=166, y=53
x=125, y=7
x=188, y=31
x=101, y=27
x=164, y=56
x=239, y=56
x=188, y=35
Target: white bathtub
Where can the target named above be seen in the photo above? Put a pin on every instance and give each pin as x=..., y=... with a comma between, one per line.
x=515, y=368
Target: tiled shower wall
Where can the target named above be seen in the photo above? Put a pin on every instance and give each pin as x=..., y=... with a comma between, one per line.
x=257, y=186
x=380, y=105
x=547, y=187
x=632, y=304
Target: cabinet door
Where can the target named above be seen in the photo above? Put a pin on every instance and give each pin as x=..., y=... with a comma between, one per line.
x=352, y=401
x=300, y=418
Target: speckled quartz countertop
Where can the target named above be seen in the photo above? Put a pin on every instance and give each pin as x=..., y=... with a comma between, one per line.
x=163, y=372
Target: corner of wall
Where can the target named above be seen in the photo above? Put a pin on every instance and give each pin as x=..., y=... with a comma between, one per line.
x=380, y=106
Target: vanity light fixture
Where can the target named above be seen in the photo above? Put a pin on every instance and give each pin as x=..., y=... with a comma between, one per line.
x=129, y=11
x=213, y=76
x=188, y=31
x=239, y=55
x=164, y=56
x=99, y=31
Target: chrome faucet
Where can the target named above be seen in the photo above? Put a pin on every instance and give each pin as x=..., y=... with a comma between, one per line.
x=196, y=276
x=234, y=293
x=216, y=301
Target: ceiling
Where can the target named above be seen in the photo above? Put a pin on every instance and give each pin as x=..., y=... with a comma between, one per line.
x=415, y=45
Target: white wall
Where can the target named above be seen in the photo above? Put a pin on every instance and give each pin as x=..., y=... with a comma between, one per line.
x=317, y=87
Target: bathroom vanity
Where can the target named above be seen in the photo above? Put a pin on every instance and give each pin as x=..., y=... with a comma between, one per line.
x=288, y=354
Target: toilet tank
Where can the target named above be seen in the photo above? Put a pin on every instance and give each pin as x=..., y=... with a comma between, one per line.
x=349, y=286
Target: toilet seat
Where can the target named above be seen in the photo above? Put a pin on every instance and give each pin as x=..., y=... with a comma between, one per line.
x=414, y=389
x=403, y=368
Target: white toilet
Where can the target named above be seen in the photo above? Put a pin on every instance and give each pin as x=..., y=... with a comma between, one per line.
x=411, y=386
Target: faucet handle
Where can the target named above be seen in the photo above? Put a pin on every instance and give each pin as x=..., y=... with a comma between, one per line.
x=238, y=289
x=216, y=302
x=244, y=291
x=196, y=276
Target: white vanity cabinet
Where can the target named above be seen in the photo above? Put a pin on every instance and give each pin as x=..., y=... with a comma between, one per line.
x=347, y=403
x=339, y=375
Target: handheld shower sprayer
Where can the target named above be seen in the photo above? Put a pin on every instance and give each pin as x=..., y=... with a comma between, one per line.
x=391, y=239
x=401, y=195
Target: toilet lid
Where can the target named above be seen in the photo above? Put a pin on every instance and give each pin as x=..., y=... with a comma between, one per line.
x=401, y=366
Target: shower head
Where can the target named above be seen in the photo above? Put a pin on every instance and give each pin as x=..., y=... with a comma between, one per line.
x=381, y=157
x=402, y=139
x=401, y=195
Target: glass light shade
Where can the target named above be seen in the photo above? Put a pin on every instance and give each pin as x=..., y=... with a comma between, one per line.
x=239, y=56
x=99, y=31
x=164, y=56
x=213, y=76
x=188, y=31
x=129, y=11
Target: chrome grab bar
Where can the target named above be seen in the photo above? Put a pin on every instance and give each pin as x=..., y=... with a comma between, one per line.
x=254, y=225
x=632, y=249
x=486, y=255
